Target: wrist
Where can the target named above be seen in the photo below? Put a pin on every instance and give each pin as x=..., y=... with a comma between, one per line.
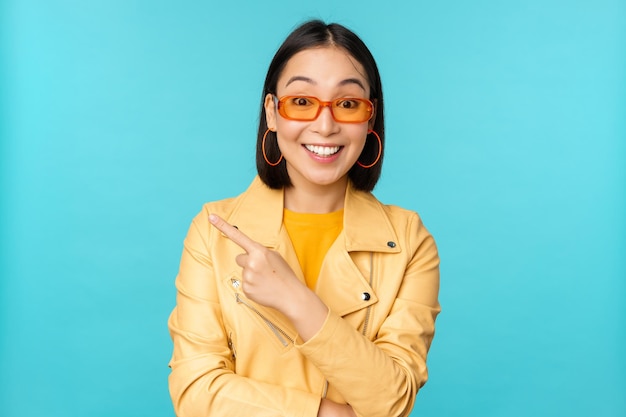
x=306, y=311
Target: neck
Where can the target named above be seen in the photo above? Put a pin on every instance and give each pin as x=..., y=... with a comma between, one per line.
x=312, y=198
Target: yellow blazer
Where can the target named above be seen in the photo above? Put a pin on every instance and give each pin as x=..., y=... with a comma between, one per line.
x=233, y=357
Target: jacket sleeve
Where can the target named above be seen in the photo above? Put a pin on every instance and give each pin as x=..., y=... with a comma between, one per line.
x=389, y=370
x=202, y=381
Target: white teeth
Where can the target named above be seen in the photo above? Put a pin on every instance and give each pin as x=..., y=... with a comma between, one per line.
x=323, y=150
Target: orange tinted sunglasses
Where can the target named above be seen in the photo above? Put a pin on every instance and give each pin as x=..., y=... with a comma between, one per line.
x=343, y=110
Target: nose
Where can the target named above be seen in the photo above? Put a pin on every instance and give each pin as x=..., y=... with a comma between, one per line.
x=325, y=124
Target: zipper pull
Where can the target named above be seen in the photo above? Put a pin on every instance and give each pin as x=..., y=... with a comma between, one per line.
x=231, y=346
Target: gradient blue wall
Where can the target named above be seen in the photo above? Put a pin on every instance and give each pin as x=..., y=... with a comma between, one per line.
x=506, y=131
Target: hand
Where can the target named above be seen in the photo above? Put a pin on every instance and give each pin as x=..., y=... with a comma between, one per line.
x=329, y=408
x=267, y=278
x=270, y=281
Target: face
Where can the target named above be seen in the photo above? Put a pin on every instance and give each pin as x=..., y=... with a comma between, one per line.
x=322, y=151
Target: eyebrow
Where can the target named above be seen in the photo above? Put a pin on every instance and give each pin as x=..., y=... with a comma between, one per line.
x=347, y=81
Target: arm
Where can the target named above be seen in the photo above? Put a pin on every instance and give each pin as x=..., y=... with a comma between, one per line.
x=270, y=281
x=202, y=381
x=389, y=370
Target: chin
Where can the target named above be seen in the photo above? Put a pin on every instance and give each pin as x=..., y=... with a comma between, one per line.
x=325, y=180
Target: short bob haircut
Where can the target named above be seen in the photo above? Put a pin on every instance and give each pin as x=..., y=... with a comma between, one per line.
x=313, y=34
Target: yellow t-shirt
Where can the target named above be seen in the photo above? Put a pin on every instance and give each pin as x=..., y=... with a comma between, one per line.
x=311, y=236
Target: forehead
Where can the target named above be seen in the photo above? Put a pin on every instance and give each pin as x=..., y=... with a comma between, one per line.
x=324, y=68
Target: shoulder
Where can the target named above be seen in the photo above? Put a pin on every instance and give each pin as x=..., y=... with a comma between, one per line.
x=257, y=212
x=401, y=218
x=409, y=227
x=227, y=206
x=222, y=208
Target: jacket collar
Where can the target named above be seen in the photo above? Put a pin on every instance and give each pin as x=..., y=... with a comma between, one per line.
x=259, y=214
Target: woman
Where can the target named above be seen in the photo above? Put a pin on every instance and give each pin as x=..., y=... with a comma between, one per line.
x=305, y=296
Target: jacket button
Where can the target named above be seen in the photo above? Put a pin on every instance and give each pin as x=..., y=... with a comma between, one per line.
x=391, y=244
x=365, y=296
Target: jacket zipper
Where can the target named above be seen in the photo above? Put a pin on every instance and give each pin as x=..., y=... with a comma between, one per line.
x=231, y=346
x=280, y=333
x=369, y=308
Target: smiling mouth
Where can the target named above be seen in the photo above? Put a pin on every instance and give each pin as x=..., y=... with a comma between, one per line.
x=323, y=150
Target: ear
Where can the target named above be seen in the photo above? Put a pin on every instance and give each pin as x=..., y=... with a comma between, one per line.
x=270, y=112
x=372, y=121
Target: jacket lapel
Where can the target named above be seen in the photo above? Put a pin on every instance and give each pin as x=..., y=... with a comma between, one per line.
x=344, y=281
x=345, y=274
x=259, y=213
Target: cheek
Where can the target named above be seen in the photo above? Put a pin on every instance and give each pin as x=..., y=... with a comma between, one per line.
x=289, y=130
x=358, y=136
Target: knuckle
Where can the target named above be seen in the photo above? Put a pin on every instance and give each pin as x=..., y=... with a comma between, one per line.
x=253, y=263
x=246, y=275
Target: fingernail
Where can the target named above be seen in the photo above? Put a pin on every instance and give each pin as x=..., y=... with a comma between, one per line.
x=212, y=218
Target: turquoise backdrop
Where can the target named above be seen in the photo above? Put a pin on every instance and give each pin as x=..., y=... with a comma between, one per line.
x=506, y=132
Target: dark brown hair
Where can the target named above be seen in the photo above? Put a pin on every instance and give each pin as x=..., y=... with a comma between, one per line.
x=311, y=34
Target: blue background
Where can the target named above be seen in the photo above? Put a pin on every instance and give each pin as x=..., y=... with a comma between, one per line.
x=506, y=132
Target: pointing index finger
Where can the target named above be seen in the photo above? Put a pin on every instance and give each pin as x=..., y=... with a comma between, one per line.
x=233, y=233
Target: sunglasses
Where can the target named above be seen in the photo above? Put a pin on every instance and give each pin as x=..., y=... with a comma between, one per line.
x=343, y=110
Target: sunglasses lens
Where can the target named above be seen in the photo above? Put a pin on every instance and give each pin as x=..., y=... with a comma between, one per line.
x=346, y=110
x=352, y=110
x=300, y=108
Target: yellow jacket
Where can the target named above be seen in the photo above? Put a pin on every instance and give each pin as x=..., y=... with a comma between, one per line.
x=233, y=357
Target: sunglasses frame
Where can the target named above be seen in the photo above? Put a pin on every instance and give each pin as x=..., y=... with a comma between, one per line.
x=280, y=103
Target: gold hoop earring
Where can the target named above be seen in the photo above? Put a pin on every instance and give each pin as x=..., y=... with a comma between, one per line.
x=273, y=164
x=380, y=151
